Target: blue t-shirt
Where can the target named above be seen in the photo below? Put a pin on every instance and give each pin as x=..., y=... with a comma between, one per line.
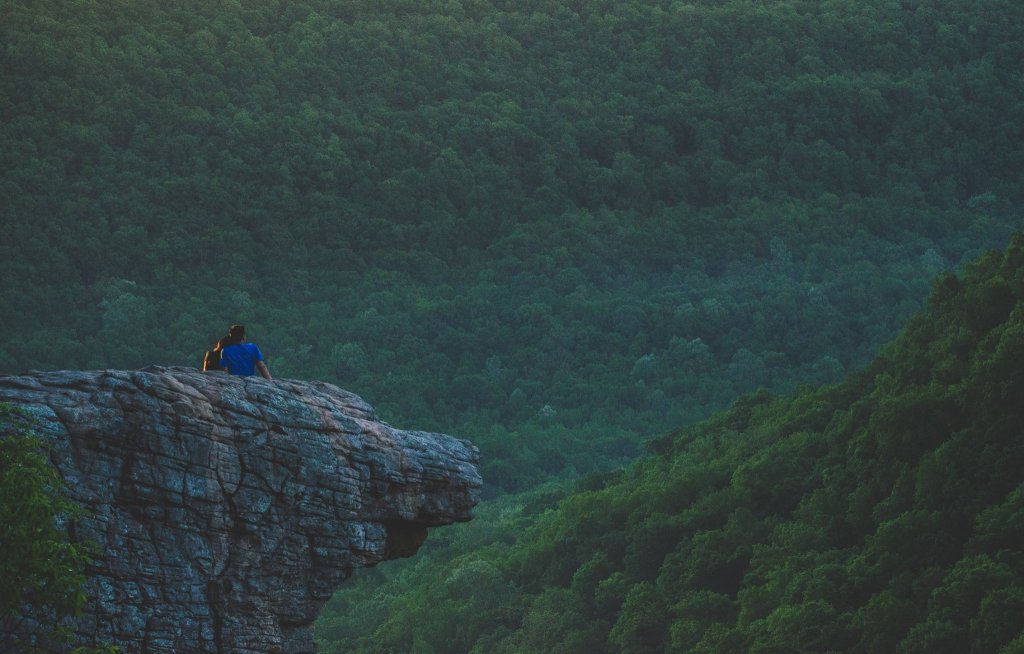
x=241, y=359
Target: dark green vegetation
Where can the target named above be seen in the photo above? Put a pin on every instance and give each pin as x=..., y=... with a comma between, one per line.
x=883, y=514
x=41, y=570
x=554, y=227
x=558, y=228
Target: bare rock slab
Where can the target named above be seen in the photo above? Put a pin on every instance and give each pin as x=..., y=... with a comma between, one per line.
x=227, y=510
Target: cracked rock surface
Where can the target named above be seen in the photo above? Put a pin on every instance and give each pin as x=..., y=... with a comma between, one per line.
x=227, y=510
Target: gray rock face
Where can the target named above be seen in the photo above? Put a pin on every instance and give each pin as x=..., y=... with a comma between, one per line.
x=229, y=509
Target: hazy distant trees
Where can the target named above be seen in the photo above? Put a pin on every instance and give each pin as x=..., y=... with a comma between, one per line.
x=880, y=514
x=643, y=210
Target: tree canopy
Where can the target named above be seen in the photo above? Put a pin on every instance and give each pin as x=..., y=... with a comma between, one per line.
x=879, y=514
x=571, y=225
x=559, y=228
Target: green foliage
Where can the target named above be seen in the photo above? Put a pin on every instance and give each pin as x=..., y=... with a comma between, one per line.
x=565, y=225
x=882, y=514
x=42, y=569
x=557, y=228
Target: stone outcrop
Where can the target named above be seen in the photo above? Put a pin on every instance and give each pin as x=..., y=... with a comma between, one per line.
x=227, y=510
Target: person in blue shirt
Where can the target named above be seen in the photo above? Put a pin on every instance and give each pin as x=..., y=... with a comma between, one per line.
x=239, y=357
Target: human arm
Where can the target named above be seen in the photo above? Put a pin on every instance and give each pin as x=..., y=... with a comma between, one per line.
x=264, y=371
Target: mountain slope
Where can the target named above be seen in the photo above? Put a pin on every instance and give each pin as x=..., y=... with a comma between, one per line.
x=881, y=514
x=565, y=223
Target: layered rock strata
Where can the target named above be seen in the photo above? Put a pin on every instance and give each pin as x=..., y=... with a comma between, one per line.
x=227, y=510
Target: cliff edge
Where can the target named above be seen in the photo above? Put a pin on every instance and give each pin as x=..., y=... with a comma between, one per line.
x=227, y=510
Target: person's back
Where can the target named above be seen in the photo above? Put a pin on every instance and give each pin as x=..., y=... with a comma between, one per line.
x=211, y=361
x=240, y=357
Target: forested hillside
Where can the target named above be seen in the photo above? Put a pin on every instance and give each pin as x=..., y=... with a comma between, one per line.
x=555, y=227
x=560, y=228
x=883, y=514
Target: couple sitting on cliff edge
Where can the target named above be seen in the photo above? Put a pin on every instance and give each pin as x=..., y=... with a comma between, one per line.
x=234, y=355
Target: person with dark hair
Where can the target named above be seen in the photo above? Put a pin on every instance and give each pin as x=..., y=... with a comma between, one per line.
x=240, y=357
x=211, y=362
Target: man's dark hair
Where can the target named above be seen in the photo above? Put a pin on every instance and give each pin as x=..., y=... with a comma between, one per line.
x=235, y=335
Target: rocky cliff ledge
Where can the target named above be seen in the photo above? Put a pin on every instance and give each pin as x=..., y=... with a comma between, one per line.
x=227, y=509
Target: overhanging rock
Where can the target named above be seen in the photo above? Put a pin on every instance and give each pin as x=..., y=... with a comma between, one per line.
x=228, y=510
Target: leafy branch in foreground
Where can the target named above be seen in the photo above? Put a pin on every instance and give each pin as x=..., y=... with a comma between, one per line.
x=42, y=568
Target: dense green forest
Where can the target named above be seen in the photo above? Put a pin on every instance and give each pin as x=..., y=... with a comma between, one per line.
x=883, y=514
x=560, y=229
x=553, y=227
